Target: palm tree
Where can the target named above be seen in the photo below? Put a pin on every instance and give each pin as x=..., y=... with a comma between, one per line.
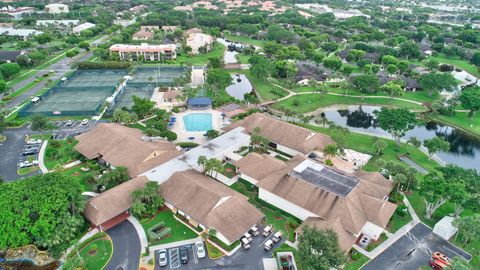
x=212, y=233
x=202, y=161
x=331, y=150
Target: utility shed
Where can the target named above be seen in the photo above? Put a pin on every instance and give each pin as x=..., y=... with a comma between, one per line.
x=445, y=228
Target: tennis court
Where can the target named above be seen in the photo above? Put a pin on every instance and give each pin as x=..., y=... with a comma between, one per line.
x=94, y=78
x=69, y=101
x=124, y=99
x=159, y=76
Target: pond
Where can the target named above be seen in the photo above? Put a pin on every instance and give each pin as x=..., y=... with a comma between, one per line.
x=239, y=87
x=464, y=152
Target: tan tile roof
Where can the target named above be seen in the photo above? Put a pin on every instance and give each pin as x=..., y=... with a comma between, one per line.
x=345, y=238
x=123, y=146
x=258, y=166
x=171, y=94
x=374, y=184
x=211, y=203
x=353, y=210
x=289, y=135
x=113, y=202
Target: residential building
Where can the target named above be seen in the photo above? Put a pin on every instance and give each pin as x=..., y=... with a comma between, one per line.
x=197, y=41
x=124, y=23
x=285, y=137
x=113, y=206
x=145, y=33
x=354, y=206
x=194, y=30
x=169, y=28
x=9, y=56
x=21, y=33
x=56, y=8
x=117, y=145
x=16, y=13
x=77, y=30
x=208, y=204
x=57, y=23
x=147, y=52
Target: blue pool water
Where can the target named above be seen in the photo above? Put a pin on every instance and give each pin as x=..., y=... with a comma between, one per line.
x=198, y=121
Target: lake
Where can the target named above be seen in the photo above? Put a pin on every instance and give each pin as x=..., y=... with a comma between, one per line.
x=464, y=152
x=239, y=87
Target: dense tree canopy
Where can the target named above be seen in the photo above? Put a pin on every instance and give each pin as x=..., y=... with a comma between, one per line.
x=44, y=210
x=396, y=121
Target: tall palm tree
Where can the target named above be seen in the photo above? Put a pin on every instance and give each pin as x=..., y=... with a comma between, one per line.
x=202, y=161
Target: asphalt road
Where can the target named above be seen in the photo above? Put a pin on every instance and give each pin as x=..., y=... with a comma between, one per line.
x=11, y=149
x=412, y=251
x=126, y=247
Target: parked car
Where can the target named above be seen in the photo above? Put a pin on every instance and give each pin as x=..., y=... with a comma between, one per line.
x=183, y=255
x=200, y=249
x=277, y=236
x=254, y=231
x=29, y=152
x=84, y=122
x=33, y=141
x=162, y=257
x=24, y=164
x=34, y=147
x=268, y=245
x=267, y=231
x=69, y=123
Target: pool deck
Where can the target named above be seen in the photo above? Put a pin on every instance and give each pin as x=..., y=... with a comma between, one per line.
x=182, y=134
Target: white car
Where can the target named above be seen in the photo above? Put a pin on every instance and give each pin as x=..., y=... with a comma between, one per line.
x=33, y=141
x=200, y=249
x=162, y=257
x=84, y=122
x=24, y=164
x=69, y=123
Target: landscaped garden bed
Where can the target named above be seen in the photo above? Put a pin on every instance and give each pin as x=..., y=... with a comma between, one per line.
x=94, y=254
x=213, y=252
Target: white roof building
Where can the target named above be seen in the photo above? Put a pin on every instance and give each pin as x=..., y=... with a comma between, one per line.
x=83, y=26
x=41, y=23
x=16, y=13
x=445, y=228
x=56, y=8
x=198, y=40
x=23, y=33
x=124, y=23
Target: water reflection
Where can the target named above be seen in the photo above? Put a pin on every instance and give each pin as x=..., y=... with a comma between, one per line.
x=239, y=87
x=464, y=152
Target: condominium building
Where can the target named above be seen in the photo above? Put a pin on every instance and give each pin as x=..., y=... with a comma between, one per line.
x=145, y=51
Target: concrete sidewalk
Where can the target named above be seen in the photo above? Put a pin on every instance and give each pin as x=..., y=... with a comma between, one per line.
x=41, y=157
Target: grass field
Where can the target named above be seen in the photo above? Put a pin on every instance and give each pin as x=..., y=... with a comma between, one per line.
x=461, y=120
x=202, y=59
x=465, y=65
x=94, y=255
x=355, y=265
x=24, y=88
x=246, y=40
x=264, y=88
x=311, y=102
x=24, y=171
x=179, y=230
x=60, y=152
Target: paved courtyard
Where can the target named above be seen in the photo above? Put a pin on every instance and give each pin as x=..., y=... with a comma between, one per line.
x=413, y=250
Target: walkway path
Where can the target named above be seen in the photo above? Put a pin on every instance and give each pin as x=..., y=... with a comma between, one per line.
x=77, y=244
x=292, y=93
x=140, y=231
x=41, y=157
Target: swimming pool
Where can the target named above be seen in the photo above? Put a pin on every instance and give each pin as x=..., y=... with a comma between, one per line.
x=198, y=121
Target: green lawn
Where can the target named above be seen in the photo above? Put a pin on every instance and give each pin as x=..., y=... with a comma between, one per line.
x=202, y=59
x=311, y=102
x=94, y=254
x=397, y=222
x=465, y=65
x=462, y=121
x=60, y=152
x=23, y=89
x=264, y=88
x=356, y=264
x=179, y=230
x=246, y=40
x=40, y=136
x=27, y=170
x=243, y=58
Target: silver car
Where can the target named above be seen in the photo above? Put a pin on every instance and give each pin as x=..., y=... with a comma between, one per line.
x=162, y=257
x=200, y=249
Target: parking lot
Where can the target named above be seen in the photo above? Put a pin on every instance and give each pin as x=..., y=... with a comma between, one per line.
x=413, y=250
x=12, y=149
x=251, y=259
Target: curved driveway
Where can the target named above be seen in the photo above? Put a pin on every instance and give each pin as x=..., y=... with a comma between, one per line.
x=126, y=247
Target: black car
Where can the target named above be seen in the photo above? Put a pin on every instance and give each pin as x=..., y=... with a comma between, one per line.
x=29, y=152
x=183, y=255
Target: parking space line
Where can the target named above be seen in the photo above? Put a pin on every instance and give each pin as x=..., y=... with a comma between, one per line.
x=195, y=258
x=268, y=237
